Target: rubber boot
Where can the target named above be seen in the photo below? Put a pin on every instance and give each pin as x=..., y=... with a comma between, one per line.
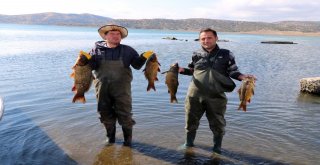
x=217, y=140
x=127, y=135
x=190, y=136
x=111, y=134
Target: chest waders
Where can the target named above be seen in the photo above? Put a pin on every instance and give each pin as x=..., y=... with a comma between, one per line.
x=206, y=96
x=113, y=92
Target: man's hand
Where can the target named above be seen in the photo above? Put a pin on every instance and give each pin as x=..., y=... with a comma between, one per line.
x=243, y=76
x=87, y=55
x=147, y=54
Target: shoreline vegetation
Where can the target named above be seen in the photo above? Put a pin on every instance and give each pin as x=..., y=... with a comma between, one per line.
x=287, y=28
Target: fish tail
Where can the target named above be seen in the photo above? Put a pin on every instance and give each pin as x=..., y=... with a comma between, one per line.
x=243, y=106
x=151, y=85
x=79, y=97
x=173, y=99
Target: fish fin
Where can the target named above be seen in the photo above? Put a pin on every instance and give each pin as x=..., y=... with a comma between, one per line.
x=151, y=85
x=144, y=70
x=156, y=79
x=168, y=91
x=73, y=88
x=79, y=97
x=164, y=72
x=72, y=75
x=249, y=100
x=159, y=64
x=158, y=69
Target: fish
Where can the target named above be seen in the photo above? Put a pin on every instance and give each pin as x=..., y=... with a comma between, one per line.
x=151, y=70
x=172, y=81
x=83, y=77
x=246, y=91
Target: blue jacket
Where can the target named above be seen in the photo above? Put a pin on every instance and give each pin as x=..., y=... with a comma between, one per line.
x=130, y=56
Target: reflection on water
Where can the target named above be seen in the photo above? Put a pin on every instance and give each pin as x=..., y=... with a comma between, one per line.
x=42, y=126
x=142, y=153
x=308, y=98
x=114, y=155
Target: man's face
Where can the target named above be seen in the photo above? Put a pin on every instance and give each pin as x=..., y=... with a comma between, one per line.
x=208, y=40
x=113, y=37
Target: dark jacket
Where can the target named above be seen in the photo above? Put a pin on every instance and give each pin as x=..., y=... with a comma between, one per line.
x=130, y=56
x=224, y=62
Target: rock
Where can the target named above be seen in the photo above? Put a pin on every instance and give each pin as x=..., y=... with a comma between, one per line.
x=310, y=85
x=170, y=38
x=277, y=42
x=223, y=41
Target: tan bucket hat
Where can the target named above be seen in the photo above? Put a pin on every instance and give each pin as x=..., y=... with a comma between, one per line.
x=103, y=29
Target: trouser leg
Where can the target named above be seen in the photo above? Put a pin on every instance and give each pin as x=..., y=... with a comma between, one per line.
x=216, y=108
x=106, y=110
x=123, y=109
x=127, y=135
x=190, y=136
x=111, y=133
x=217, y=140
x=110, y=126
x=194, y=112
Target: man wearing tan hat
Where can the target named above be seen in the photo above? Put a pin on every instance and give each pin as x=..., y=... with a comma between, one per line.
x=111, y=63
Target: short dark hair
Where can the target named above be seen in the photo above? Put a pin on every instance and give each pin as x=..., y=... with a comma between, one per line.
x=208, y=30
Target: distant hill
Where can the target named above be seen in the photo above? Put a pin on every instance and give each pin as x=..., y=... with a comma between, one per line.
x=56, y=19
x=180, y=24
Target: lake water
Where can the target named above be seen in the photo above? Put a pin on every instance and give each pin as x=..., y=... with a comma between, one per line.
x=41, y=125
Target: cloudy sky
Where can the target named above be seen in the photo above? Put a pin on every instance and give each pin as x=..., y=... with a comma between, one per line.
x=242, y=10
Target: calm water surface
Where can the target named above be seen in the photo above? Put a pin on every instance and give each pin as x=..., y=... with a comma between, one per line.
x=42, y=126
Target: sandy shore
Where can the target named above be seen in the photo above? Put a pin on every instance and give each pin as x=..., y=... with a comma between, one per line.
x=287, y=33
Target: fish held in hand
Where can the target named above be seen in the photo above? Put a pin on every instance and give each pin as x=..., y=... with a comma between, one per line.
x=246, y=91
x=82, y=74
x=151, y=70
x=172, y=82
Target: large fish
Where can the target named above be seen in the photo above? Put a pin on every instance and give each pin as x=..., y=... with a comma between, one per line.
x=82, y=74
x=246, y=91
x=151, y=70
x=172, y=81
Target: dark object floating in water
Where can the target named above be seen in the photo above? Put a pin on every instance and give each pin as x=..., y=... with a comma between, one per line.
x=170, y=38
x=277, y=42
x=223, y=41
x=218, y=40
x=174, y=38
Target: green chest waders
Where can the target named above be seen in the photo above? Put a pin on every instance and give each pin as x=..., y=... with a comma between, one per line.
x=113, y=92
x=206, y=95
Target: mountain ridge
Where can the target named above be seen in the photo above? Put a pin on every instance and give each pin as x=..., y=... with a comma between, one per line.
x=189, y=24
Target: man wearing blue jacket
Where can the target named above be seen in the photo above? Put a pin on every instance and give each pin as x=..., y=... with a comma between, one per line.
x=111, y=63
